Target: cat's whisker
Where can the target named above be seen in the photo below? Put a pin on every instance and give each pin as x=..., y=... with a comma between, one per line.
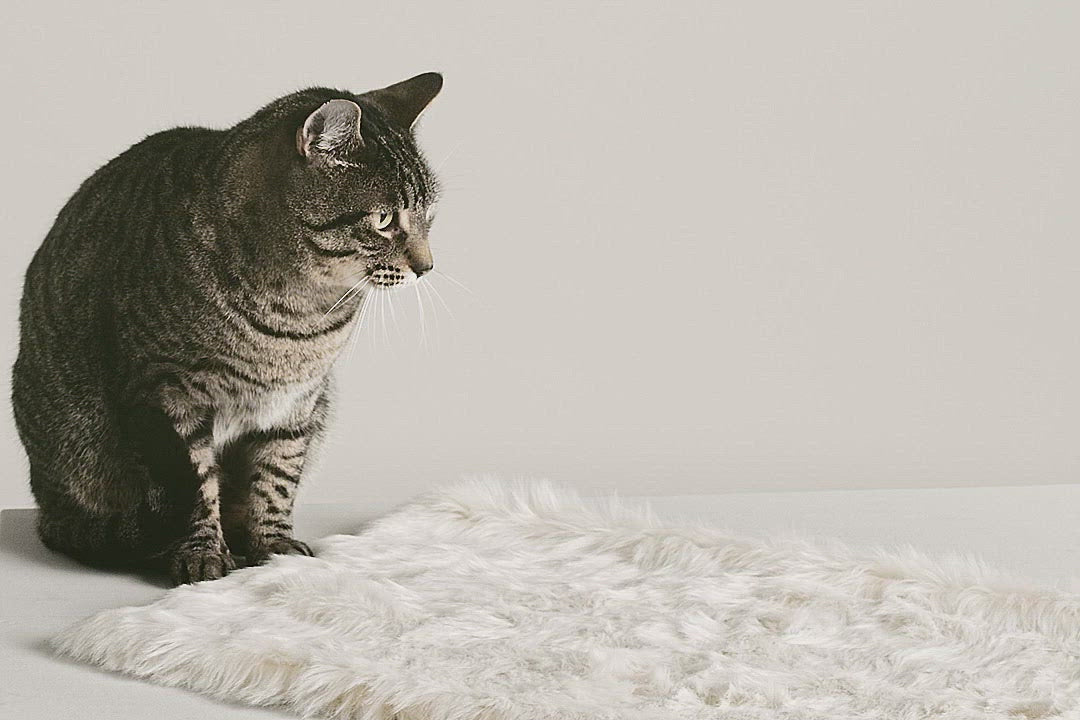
x=375, y=329
x=355, y=294
x=359, y=320
x=427, y=291
x=376, y=311
x=354, y=290
x=383, y=298
x=365, y=313
x=388, y=326
x=344, y=298
x=438, y=294
x=358, y=328
x=392, y=328
x=369, y=314
x=457, y=282
x=393, y=313
x=420, y=311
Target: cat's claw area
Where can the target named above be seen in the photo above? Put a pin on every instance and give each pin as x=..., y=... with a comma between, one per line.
x=195, y=564
x=277, y=546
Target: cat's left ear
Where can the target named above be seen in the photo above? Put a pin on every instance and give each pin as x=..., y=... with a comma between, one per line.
x=333, y=129
x=406, y=100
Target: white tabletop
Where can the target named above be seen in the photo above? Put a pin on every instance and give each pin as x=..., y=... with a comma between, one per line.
x=1034, y=531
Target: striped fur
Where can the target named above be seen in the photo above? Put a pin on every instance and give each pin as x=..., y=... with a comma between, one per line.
x=180, y=321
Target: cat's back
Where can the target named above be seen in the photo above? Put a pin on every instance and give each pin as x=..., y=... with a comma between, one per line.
x=112, y=215
x=152, y=174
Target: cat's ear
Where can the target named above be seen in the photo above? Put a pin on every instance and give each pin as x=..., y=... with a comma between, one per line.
x=333, y=129
x=406, y=100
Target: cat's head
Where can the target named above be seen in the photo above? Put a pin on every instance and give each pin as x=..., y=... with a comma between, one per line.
x=348, y=188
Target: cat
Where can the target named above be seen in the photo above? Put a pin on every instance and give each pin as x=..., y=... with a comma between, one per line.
x=179, y=323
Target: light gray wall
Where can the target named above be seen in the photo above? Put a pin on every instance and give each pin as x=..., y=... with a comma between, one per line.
x=711, y=246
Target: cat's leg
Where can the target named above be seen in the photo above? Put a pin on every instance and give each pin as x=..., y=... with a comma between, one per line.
x=75, y=444
x=110, y=540
x=276, y=464
x=88, y=483
x=201, y=554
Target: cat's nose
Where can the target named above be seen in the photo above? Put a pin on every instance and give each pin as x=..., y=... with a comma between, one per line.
x=419, y=260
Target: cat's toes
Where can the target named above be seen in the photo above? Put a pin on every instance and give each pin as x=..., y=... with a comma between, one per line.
x=192, y=564
x=277, y=546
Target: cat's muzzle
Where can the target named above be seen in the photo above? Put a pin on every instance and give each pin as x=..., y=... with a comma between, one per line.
x=388, y=276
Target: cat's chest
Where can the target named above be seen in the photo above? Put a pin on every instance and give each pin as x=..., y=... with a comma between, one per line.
x=284, y=406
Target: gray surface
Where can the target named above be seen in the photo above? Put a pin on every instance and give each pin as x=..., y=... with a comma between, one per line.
x=713, y=246
x=1033, y=530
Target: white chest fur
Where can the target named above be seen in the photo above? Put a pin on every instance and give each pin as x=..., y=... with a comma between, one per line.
x=281, y=407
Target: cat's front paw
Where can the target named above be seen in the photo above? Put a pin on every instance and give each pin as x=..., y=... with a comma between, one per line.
x=194, y=563
x=261, y=552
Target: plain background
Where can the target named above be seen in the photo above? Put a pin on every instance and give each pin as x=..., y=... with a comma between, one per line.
x=711, y=246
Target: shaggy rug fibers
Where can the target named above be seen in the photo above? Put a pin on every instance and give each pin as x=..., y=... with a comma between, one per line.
x=495, y=602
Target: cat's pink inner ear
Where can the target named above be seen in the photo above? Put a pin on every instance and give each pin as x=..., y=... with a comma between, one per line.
x=333, y=128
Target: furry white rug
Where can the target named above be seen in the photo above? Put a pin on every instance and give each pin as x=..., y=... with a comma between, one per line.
x=494, y=602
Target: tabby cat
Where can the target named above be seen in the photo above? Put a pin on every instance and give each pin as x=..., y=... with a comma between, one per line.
x=180, y=321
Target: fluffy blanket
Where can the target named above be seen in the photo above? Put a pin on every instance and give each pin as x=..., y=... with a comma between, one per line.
x=498, y=602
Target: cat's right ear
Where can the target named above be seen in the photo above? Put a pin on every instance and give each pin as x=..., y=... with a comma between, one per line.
x=332, y=130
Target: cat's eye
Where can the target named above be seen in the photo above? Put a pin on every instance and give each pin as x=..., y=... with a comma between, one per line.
x=383, y=220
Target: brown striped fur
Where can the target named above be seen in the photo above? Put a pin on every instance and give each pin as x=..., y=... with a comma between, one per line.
x=178, y=324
